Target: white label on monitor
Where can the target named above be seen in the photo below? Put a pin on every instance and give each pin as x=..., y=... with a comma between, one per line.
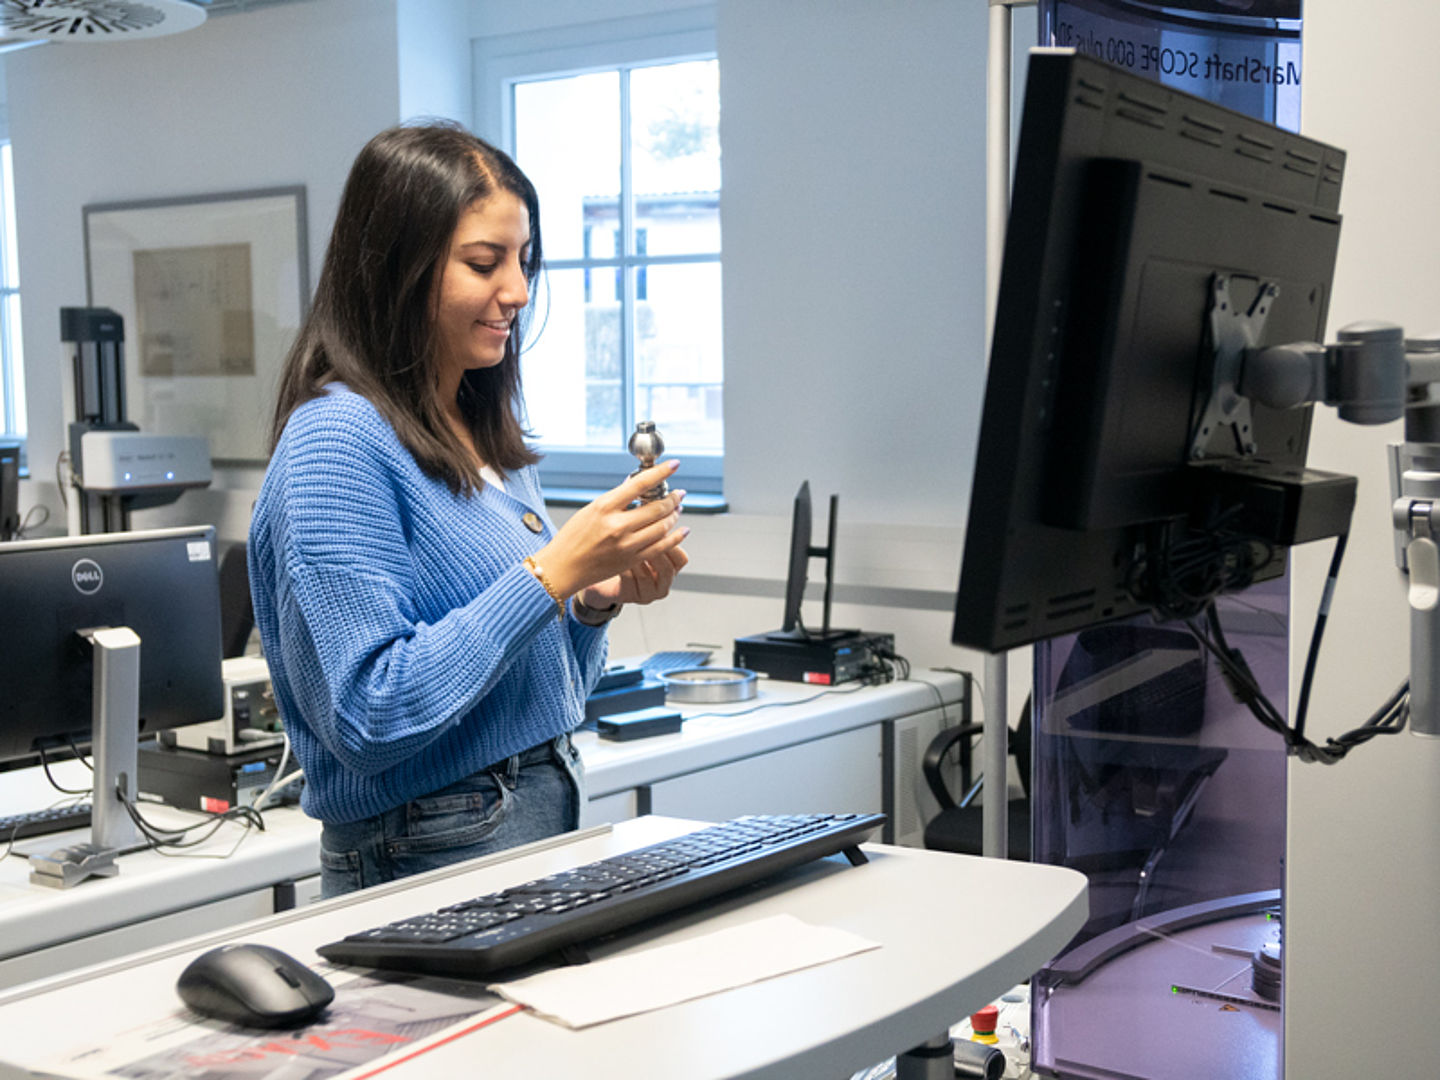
x=199, y=550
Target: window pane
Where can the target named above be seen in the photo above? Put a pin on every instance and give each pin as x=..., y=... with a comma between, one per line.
x=567, y=139
x=675, y=157
x=572, y=364
x=678, y=366
x=11, y=266
x=12, y=396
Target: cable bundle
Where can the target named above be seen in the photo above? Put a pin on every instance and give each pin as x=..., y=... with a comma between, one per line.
x=1390, y=717
x=1180, y=578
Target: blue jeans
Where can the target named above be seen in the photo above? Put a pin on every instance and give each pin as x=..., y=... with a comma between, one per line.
x=530, y=796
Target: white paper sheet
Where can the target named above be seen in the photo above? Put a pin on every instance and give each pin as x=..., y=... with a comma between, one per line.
x=587, y=994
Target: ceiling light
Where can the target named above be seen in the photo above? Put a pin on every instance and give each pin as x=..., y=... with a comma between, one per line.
x=96, y=20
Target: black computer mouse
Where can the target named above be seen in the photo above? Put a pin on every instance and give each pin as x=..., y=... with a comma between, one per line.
x=254, y=985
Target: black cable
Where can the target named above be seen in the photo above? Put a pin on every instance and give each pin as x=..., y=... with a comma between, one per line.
x=79, y=754
x=26, y=523
x=1179, y=571
x=157, y=837
x=1179, y=576
x=1313, y=654
x=896, y=666
x=45, y=764
x=1389, y=718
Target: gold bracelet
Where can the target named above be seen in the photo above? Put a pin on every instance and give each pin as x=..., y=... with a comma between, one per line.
x=534, y=568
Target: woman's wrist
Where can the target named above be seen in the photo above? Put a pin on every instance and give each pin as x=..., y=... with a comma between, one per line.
x=559, y=570
x=538, y=572
x=592, y=614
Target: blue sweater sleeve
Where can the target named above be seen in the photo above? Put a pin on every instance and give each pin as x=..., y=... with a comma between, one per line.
x=591, y=643
x=376, y=682
x=592, y=648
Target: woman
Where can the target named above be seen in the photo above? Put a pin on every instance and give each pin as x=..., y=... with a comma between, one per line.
x=431, y=636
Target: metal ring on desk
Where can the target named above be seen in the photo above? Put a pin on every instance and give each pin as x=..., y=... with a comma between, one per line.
x=709, y=685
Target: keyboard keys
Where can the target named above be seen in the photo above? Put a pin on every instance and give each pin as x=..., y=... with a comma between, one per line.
x=525, y=922
x=43, y=822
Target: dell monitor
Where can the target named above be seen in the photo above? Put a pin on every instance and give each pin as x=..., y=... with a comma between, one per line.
x=107, y=638
x=1154, y=237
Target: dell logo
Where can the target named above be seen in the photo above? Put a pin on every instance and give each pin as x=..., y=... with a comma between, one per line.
x=87, y=576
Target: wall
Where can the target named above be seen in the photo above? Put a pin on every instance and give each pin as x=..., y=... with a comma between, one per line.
x=853, y=216
x=1364, y=862
x=490, y=18
x=280, y=95
x=434, y=58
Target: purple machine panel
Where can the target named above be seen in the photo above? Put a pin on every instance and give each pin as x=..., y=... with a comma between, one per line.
x=1148, y=775
x=1150, y=778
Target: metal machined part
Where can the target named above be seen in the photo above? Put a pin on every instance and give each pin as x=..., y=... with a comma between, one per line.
x=709, y=685
x=647, y=445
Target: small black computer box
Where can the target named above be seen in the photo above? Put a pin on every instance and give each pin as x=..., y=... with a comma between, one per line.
x=198, y=780
x=840, y=657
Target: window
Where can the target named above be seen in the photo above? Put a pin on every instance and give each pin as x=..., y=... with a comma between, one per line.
x=12, y=369
x=627, y=316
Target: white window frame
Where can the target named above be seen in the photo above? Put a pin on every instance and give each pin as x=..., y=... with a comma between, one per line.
x=502, y=61
x=12, y=372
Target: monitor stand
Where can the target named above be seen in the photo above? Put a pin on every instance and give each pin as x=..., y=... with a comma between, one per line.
x=823, y=635
x=115, y=728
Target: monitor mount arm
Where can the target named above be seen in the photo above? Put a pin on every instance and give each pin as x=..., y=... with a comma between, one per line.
x=1233, y=333
x=1371, y=374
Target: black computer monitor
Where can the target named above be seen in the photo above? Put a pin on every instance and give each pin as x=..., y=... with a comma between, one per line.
x=1140, y=218
x=792, y=627
x=9, y=491
x=162, y=585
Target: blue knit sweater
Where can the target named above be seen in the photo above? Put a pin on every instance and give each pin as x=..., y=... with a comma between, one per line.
x=408, y=645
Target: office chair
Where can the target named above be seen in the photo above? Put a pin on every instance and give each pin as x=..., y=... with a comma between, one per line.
x=959, y=826
x=237, y=613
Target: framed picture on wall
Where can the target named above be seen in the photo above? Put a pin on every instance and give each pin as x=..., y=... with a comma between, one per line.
x=212, y=289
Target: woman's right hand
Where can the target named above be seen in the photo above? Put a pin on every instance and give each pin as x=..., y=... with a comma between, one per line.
x=605, y=537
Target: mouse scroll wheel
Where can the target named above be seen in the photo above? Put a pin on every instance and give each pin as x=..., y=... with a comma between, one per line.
x=288, y=977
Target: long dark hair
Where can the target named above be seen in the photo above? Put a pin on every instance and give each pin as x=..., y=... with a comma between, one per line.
x=372, y=323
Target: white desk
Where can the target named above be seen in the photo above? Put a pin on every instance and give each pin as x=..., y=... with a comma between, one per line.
x=793, y=749
x=155, y=898
x=835, y=752
x=955, y=932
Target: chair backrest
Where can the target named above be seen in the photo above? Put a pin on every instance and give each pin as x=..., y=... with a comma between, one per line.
x=237, y=613
x=1020, y=747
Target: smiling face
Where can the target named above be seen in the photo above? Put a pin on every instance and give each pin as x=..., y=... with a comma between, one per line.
x=482, y=287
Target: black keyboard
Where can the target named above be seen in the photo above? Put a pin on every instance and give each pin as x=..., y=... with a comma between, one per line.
x=657, y=664
x=551, y=914
x=41, y=822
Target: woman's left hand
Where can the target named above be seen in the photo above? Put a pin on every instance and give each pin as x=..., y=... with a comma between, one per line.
x=644, y=583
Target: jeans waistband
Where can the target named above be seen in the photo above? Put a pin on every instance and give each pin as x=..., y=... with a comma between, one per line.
x=538, y=754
